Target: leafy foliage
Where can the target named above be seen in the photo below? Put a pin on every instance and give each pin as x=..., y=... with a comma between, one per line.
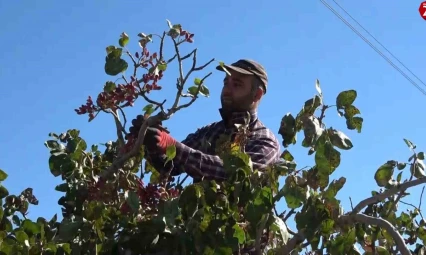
x=107, y=209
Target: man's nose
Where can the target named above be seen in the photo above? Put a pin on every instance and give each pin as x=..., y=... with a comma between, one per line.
x=226, y=91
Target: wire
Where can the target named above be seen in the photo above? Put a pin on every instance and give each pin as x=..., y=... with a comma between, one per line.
x=373, y=47
x=378, y=41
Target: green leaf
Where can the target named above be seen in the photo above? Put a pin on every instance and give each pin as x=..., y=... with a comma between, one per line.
x=399, y=177
x=197, y=81
x=339, y=139
x=312, y=130
x=3, y=192
x=22, y=237
x=327, y=226
x=114, y=66
x=55, y=164
x=30, y=227
x=133, y=201
x=239, y=234
x=311, y=105
x=189, y=199
x=170, y=153
x=384, y=174
x=114, y=52
x=351, y=111
x=149, y=109
x=294, y=195
x=162, y=67
x=327, y=158
x=280, y=227
x=109, y=86
x=124, y=40
x=401, y=165
x=345, y=98
x=420, y=155
x=155, y=177
x=317, y=86
x=193, y=90
x=355, y=123
x=68, y=230
x=334, y=187
x=204, y=91
x=418, y=169
x=287, y=155
x=288, y=130
x=53, y=145
x=62, y=187
x=224, y=68
x=409, y=144
x=3, y=175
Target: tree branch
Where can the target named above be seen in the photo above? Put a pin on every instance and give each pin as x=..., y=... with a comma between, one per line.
x=390, y=192
x=292, y=243
x=369, y=220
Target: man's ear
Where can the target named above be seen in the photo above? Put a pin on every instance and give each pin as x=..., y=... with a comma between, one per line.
x=258, y=95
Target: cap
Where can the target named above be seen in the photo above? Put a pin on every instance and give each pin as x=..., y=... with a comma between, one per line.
x=250, y=67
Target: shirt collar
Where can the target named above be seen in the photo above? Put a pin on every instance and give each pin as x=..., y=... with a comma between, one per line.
x=238, y=117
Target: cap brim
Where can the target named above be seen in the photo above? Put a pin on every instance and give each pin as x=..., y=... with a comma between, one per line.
x=234, y=68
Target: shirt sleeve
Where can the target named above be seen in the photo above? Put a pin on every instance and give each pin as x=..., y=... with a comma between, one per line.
x=262, y=151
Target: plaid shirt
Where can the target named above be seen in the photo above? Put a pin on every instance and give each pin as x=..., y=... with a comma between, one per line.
x=196, y=154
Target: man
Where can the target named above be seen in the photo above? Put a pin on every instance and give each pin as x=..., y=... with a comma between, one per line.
x=241, y=95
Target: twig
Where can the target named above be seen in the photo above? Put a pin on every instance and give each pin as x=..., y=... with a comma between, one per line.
x=352, y=205
x=193, y=98
x=390, y=192
x=125, y=120
x=180, y=79
x=135, y=64
x=291, y=212
x=323, y=109
x=183, y=180
x=369, y=220
x=421, y=198
x=118, y=126
x=259, y=232
x=157, y=104
x=415, y=207
x=162, y=45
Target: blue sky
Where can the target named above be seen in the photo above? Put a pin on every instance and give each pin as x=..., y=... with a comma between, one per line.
x=53, y=56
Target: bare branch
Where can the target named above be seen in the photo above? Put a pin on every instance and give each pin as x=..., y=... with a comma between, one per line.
x=362, y=218
x=390, y=192
x=124, y=118
x=292, y=243
x=421, y=198
x=158, y=104
x=162, y=45
x=173, y=110
x=119, y=162
x=135, y=64
x=291, y=212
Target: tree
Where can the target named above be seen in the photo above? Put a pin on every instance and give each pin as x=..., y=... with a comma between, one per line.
x=107, y=209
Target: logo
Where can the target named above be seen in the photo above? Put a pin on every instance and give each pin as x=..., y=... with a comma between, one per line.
x=422, y=10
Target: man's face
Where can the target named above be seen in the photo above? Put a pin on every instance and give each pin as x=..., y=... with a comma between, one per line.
x=237, y=92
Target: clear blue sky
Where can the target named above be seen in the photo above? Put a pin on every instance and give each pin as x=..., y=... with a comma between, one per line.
x=53, y=56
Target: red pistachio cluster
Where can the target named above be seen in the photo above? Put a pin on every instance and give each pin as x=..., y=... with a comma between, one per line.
x=188, y=36
x=149, y=197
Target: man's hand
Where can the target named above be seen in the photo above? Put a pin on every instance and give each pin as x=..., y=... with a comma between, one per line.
x=157, y=139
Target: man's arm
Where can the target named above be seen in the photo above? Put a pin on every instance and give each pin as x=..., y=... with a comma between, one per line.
x=262, y=152
x=193, y=140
